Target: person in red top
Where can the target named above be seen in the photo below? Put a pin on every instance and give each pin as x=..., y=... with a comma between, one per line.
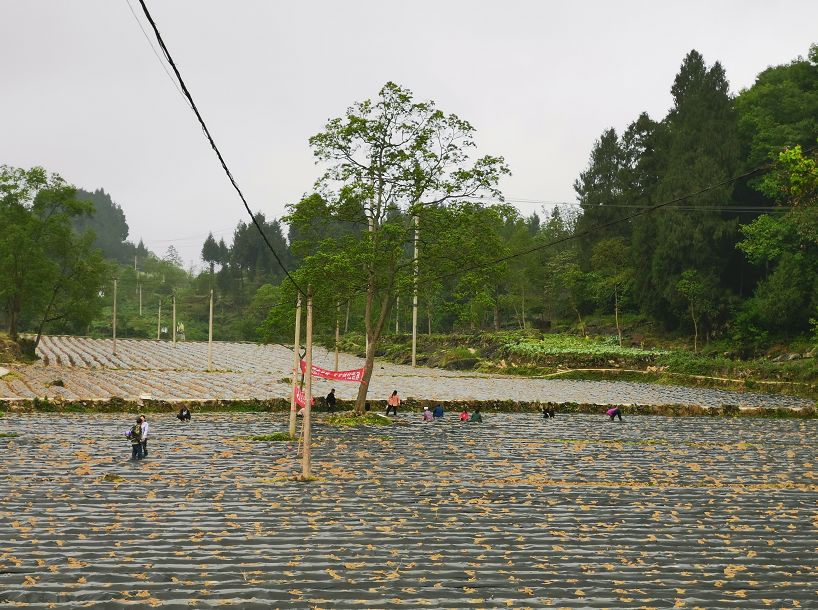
x=393, y=403
x=464, y=415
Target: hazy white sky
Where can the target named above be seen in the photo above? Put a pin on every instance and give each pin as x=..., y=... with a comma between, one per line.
x=82, y=93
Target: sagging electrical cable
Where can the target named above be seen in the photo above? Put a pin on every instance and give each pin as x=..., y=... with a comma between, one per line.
x=206, y=131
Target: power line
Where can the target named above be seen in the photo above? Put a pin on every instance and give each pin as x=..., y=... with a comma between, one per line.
x=213, y=143
x=215, y=233
x=155, y=52
x=604, y=225
x=640, y=212
x=698, y=208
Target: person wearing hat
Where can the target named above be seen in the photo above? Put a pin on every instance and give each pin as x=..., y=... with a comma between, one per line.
x=427, y=414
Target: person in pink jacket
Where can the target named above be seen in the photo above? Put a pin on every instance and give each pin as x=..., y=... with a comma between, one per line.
x=393, y=403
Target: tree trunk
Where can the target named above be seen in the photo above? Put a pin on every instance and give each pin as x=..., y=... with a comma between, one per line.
x=429, y=317
x=695, y=331
x=14, y=313
x=45, y=315
x=616, y=314
x=346, y=324
x=374, y=336
x=581, y=323
x=522, y=307
x=496, y=316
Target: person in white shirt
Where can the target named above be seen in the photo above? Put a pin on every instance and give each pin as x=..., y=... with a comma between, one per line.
x=145, y=428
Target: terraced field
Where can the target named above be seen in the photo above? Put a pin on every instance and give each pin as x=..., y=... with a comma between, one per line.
x=74, y=368
x=575, y=512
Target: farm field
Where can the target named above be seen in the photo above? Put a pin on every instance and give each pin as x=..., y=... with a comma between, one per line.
x=575, y=512
x=73, y=368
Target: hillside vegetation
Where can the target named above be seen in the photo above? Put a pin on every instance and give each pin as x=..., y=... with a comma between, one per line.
x=787, y=369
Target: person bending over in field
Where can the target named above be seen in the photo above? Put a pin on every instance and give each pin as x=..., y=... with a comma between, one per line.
x=464, y=415
x=427, y=414
x=184, y=414
x=393, y=403
x=331, y=400
x=548, y=412
x=438, y=412
x=476, y=418
x=614, y=412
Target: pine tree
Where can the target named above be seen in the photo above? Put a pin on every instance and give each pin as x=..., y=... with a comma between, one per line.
x=702, y=149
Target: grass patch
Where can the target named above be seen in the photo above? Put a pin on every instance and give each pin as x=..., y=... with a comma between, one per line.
x=263, y=438
x=350, y=420
x=8, y=434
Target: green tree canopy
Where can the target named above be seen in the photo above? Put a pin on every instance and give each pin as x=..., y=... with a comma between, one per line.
x=48, y=274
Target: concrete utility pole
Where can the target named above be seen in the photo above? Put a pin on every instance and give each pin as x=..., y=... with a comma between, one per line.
x=296, y=364
x=415, y=296
x=306, y=465
x=174, y=320
x=210, y=336
x=114, y=320
x=337, y=331
x=159, y=321
x=397, y=314
x=140, y=299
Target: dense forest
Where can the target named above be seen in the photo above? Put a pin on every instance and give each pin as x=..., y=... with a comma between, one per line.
x=703, y=223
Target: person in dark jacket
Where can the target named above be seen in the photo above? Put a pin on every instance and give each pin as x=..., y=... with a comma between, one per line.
x=331, y=400
x=135, y=436
x=476, y=418
x=438, y=411
x=183, y=414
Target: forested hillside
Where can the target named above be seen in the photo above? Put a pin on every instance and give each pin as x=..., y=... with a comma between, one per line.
x=699, y=224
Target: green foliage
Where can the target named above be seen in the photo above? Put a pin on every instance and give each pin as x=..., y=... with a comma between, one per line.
x=351, y=420
x=781, y=108
x=274, y=437
x=48, y=274
x=708, y=262
x=766, y=239
x=554, y=345
x=106, y=222
x=8, y=434
x=392, y=164
x=785, y=299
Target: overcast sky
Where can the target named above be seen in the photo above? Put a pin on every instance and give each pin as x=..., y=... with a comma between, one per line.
x=83, y=94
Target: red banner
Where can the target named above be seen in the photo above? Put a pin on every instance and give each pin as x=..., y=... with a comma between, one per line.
x=350, y=375
x=300, y=399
